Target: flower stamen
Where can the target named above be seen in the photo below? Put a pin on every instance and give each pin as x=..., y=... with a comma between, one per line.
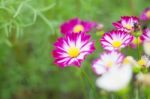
x=141, y=62
x=78, y=28
x=73, y=52
x=116, y=44
x=109, y=64
x=128, y=26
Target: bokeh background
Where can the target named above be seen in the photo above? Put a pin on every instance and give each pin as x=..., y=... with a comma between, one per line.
x=28, y=29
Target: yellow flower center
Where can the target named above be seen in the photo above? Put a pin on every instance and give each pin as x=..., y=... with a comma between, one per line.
x=126, y=61
x=141, y=62
x=116, y=44
x=73, y=51
x=137, y=41
x=78, y=28
x=109, y=64
x=148, y=14
x=128, y=26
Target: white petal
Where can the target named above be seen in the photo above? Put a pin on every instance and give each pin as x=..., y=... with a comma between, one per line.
x=116, y=79
x=63, y=60
x=110, y=48
x=86, y=47
x=146, y=46
x=81, y=56
x=78, y=42
x=99, y=68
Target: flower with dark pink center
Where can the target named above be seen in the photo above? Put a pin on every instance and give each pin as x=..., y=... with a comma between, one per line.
x=72, y=49
x=77, y=26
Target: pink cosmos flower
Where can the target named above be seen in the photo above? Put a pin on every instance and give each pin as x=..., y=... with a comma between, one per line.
x=115, y=40
x=77, y=26
x=145, y=15
x=127, y=23
x=72, y=49
x=146, y=35
x=106, y=61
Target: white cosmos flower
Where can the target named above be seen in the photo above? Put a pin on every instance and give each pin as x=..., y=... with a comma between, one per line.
x=115, y=79
x=146, y=46
x=144, y=61
x=106, y=61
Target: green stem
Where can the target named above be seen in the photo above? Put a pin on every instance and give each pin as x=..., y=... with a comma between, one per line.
x=90, y=82
x=136, y=93
x=79, y=74
x=138, y=49
x=83, y=88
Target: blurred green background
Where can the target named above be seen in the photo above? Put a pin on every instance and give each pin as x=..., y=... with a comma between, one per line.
x=28, y=29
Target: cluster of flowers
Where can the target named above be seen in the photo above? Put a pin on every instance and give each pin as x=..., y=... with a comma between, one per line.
x=75, y=45
x=113, y=68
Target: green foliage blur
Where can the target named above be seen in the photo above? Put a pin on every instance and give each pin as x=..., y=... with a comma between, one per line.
x=28, y=29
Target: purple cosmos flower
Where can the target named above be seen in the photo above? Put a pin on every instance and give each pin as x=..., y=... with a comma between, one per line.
x=106, y=61
x=127, y=23
x=146, y=35
x=145, y=15
x=115, y=40
x=72, y=49
x=76, y=26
